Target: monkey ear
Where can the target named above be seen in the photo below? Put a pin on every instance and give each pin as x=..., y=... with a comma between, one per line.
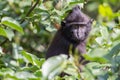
x=63, y=23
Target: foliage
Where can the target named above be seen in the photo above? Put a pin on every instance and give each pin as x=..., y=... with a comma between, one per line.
x=27, y=26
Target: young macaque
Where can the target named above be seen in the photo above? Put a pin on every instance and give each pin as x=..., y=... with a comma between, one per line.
x=74, y=31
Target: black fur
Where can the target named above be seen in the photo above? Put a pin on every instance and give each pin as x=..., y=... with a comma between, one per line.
x=74, y=31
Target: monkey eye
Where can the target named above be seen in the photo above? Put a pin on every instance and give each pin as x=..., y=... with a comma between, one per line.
x=75, y=26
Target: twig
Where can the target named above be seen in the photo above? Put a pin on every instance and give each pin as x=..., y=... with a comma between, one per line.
x=30, y=10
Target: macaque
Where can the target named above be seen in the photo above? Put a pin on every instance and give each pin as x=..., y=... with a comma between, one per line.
x=74, y=31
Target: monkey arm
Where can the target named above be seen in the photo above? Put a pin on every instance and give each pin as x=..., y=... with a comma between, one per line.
x=59, y=45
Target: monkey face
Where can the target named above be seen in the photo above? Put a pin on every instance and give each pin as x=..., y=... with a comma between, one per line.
x=78, y=32
x=76, y=26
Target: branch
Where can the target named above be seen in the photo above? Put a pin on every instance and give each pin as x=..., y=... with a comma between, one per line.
x=28, y=13
x=30, y=10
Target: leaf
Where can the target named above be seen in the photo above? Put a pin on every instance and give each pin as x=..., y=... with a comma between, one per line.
x=104, y=32
x=99, y=40
x=114, y=51
x=38, y=73
x=27, y=56
x=96, y=69
x=53, y=66
x=96, y=59
x=24, y=75
x=50, y=29
x=12, y=24
x=31, y=69
x=98, y=52
x=3, y=32
x=33, y=59
x=5, y=71
x=105, y=10
x=48, y=4
x=76, y=2
x=10, y=34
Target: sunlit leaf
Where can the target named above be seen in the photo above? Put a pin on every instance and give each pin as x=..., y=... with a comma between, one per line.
x=104, y=33
x=3, y=32
x=5, y=71
x=53, y=66
x=12, y=24
x=80, y=3
x=24, y=75
x=33, y=59
x=10, y=34
x=27, y=56
x=48, y=4
x=96, y=59
x=50, y=29
x=99, y=40
x=105, y=10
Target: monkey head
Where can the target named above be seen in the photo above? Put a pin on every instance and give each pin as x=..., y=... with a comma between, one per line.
x=76, y=26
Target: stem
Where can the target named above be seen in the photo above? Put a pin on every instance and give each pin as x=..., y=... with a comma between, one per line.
x=28, y=13
x=30, y=10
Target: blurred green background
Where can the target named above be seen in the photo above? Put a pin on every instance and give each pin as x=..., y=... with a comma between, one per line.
x=29, y=26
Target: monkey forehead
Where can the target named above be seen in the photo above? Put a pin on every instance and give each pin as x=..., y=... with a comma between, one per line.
x=80, y=23
x=76, y=15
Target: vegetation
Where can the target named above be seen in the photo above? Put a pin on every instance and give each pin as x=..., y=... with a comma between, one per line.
x=26, y=27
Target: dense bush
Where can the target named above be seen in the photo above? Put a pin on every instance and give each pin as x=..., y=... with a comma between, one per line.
x=26, y=27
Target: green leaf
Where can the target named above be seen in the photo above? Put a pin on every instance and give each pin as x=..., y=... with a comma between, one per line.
x=12, y=24
x=114, y=51
x=98, y=52
x=38, y=73
x=105, y=10
x=31, y=69
x=5, y=71
x=10, y=34
x=27, y=56
x=96, y=59
x=99, y=40
x=3, y=32
x=50, y=29
x=76, y=2
x=104, y=32
x=24, y=75
x=53, y=66
x=48, y=4
x=33, y=59
x=96, y=68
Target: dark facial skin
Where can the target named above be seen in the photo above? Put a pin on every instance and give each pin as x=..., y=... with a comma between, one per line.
x=74, y=31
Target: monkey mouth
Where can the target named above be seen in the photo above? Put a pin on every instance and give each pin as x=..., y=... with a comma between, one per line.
x=80, y=36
